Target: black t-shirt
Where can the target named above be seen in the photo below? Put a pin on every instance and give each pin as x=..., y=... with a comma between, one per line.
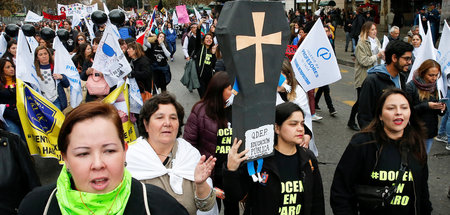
x=385, y=174
x=224, y=140
x=291, y=179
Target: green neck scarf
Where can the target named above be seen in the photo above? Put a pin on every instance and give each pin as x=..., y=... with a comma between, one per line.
x=76, y=202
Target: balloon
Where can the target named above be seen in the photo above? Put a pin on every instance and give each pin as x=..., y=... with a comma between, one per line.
x=47, y=34
x=99, y=17
x=12, y=30
x=116, y=17
x=28, y=30
x=63, y=35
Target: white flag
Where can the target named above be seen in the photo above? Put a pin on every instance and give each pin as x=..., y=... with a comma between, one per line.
x=314, y=62
x=76, y=20
x=105, y=8
x=109, y=58
x=65, y=66
x=3, y=44
x=443, y=56
x=174, y=18
x=25, y=69
x=384, y=45
x=32, y=17
x=197, y=14
x=424, y=52
x=421, y=30
x=33, y=44
x=135, y=96
x=90, y=27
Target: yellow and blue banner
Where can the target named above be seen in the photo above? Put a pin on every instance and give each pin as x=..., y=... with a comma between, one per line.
x=122, y=103
x=41, y=121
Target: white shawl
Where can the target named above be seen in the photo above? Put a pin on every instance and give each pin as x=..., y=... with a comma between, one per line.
x=144, y=164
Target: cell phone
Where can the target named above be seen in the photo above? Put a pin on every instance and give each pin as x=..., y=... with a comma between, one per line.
x=443, y=100
x=97, y=74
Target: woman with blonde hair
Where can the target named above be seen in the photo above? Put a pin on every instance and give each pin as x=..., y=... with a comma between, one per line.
x=425, y=97
x=367, y=54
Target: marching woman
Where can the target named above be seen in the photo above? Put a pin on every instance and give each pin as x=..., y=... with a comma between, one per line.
x=391, y=145
x=367, y=55
x=141, y=68
x=8, y=96
x=50, y=88
x=94, y=179
x=160, y=158
x=208, y=129
x=171, y=39
x=158, y=54
x=11, y=51
x=423, y=91
x=84, y=53
x=291, y=178
x=205, y=58
x=291, y=91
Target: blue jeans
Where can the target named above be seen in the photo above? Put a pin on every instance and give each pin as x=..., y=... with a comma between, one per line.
x=15, y=128
x=172, y=47
x=428, y=143
x=57, y=103
x=353, y=45
x=348, y=37
x=445, y=122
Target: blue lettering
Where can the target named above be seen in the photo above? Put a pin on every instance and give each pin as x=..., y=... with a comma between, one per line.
x=301, y=72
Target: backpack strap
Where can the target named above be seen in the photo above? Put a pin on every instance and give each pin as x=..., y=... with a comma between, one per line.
x=49, y=201
x=144, y=193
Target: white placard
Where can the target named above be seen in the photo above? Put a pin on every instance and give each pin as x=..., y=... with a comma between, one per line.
x=259, y=141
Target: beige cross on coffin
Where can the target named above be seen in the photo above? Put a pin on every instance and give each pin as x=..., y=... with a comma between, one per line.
x=243, y=42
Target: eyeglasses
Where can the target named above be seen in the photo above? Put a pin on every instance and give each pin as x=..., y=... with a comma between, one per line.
x=407, y=58
x=80, y=39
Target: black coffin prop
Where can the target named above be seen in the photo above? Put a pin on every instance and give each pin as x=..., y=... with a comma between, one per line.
x=253, y=37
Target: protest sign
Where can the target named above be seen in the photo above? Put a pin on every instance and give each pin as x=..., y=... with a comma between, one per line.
x=64, y=65
x=253, y=57
x=443, y=55
x=33, y=17
x=41, y=122
x=78, y=8
x=314, y=62
x=183, y=17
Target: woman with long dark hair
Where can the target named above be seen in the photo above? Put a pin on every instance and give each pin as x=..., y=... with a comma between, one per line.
x=141, y=67
x=423, y=91
x=11, y=50
x=84, y=53
x=8, y=96
x=291, y=177
x=391, y=145
x=208, y=128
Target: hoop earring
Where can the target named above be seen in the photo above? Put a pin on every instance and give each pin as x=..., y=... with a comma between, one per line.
x=125, y=164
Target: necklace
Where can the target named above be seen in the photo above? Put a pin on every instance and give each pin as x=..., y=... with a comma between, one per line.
x=109, y=207
x=168, y=155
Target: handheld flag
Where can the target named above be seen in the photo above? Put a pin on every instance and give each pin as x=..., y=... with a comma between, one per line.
x=421, y=30
x=174, y=18
x=90, y=27
x=33, y=43
x=105, y=8
x=109, y=59
x=120, y=99
x=25, y=69
x=425, y=52
x=33, y=17
x=197, y=14
x=41, y=122
x=135, y=96
x=443, y=56
x=3, y=44
x=64, y=65
x=314, y=62
x=76, y=20
x=383, y=46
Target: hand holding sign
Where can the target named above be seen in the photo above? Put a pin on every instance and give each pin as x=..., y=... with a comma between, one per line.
x=234, y=158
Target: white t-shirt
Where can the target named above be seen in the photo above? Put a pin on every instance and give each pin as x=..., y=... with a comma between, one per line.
x=48, y=85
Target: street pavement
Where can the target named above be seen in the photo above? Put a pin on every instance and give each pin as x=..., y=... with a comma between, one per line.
x=332, y=135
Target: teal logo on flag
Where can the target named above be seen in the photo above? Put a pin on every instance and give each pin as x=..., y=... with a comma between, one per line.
x=40, y=113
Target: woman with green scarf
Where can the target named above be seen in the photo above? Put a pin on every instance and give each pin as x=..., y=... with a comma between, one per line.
x=94, y=179
x=425, y=97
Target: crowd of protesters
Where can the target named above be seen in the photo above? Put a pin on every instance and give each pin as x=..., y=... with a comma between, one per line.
x=189, y=171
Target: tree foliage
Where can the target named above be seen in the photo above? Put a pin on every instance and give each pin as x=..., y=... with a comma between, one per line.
x=8, y=7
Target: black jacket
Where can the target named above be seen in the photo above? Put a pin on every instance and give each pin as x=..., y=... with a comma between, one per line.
x=8, y=97
x=263, y=199
x=371, y=90
x=159, y=201
x=356, y=25
x=142, y=71
x=356, y=166
x=18, y=176
x=426, y=114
